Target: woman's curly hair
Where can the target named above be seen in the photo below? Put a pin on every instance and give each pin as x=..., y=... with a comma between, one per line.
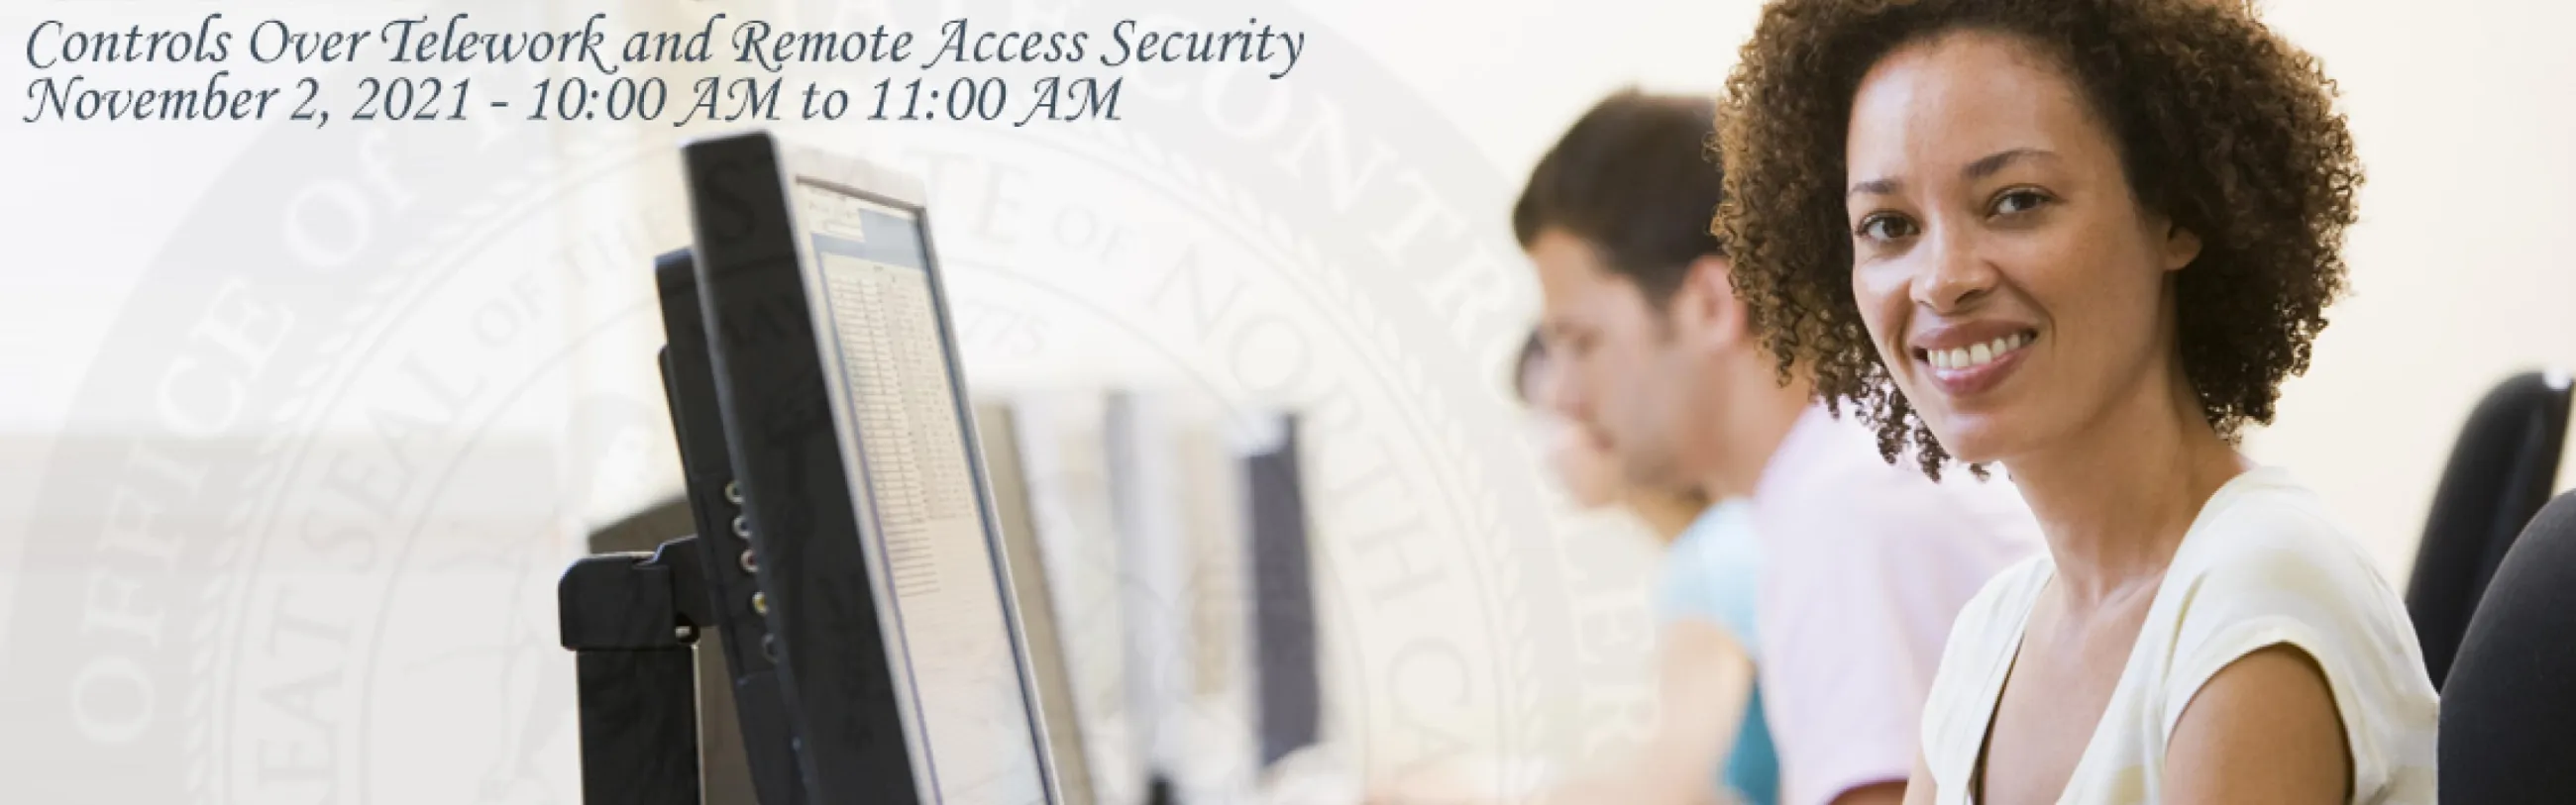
x=2222, y=126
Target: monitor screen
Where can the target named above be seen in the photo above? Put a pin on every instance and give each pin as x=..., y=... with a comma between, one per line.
x=950, y=643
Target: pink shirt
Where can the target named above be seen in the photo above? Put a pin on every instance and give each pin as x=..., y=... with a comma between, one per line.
x=1865, y=565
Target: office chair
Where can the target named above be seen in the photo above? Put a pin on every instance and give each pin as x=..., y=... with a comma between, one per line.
x=2500, y=473
x=2506, y=733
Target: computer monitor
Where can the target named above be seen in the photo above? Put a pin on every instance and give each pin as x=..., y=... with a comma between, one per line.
x=996, y=424
x=1288, y=698
x=750, y=757
x=906, y=674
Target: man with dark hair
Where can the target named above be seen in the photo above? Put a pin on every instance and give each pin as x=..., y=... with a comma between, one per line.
x=1856, y=567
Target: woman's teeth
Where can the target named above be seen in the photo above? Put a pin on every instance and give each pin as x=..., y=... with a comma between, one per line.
x=1978, y=355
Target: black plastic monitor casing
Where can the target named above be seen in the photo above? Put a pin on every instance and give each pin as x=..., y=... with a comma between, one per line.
x=781, y=434
x=688, y=383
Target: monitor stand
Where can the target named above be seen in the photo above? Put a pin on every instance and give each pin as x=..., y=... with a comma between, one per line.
x=632, y=619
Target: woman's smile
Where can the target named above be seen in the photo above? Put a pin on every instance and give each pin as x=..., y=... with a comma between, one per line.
x=1970, y=358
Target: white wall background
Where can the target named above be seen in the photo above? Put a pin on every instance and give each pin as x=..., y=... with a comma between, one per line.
x=2461, y=276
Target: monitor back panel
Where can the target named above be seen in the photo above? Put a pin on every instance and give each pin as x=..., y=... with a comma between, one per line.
x=715, y=504
x=839, y=693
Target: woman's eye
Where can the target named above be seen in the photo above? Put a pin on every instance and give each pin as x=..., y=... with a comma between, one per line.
x=1885, y=227
x=2019, y=201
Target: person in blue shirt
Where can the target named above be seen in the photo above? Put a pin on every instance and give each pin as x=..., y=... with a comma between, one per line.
x=1708, y=579
x=1710, y=742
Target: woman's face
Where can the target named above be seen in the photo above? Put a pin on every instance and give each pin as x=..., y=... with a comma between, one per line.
x=2010, y=280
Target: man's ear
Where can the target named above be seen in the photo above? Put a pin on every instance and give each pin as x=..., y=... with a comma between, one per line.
x=1706, y=287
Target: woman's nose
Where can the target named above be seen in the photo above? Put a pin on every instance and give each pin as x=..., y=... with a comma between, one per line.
x=1957, y=275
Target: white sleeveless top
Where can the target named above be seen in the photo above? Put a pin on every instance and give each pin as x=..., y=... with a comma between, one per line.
x=2260, y=566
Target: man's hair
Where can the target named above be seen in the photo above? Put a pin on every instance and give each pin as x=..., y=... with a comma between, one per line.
x=1633, y=178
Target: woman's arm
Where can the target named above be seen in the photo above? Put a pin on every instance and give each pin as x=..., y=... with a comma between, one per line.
x=2263, y=729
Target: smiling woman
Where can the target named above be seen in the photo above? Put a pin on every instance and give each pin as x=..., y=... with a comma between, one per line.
x=2087, y=240
x=2234, y=141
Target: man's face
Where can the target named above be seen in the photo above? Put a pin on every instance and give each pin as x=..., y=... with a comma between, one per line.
x=1621, y=373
